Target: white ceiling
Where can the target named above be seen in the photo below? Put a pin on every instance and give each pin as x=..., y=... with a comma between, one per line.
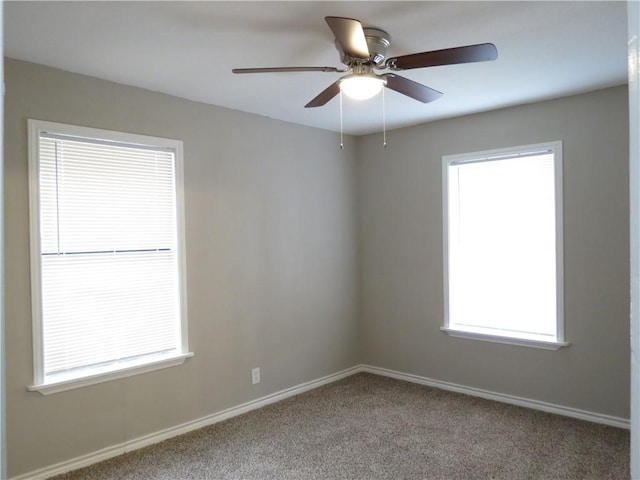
x=187, y=49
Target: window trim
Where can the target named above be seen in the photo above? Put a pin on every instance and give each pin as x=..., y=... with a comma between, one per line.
x=496, y=154
x=63, y=385
x=34, y=129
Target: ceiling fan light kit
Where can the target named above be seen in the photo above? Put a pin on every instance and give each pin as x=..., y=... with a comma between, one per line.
x=361, y=86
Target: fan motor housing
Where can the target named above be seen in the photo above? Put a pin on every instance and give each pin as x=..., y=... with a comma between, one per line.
x=377, y=42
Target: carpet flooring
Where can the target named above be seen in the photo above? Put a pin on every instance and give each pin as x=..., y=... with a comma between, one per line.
x=372, y=427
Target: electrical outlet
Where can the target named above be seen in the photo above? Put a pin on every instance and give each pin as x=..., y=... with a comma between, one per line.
x=255, y=376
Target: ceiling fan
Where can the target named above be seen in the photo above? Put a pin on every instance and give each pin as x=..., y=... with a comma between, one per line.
x=363, y=51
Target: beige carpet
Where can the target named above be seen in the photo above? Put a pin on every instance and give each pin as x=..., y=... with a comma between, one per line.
x=372, y=427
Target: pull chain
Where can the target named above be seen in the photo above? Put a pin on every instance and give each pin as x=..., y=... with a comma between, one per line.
x=384, y=123
x=341, y=136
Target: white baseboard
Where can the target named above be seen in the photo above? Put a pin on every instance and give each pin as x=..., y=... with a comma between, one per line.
x=501, y=397
x=115, y=450
x=128, y=446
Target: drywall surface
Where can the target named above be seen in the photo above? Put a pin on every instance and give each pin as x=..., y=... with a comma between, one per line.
x=401, y=247
x=633, y=16
x=271, y=264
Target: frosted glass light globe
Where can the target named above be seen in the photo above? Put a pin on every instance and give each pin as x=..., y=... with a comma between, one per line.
x=361, y=86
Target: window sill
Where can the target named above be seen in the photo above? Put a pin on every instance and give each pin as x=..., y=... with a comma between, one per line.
x=523, y=342
x=62, y=385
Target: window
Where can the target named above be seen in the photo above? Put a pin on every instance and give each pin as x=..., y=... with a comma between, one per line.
x=108, y=285
x=503, y=245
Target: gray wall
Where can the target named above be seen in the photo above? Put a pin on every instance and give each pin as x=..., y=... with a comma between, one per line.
x=633, y=16
x=305, y=260
x=271, y=260
x=401, y=250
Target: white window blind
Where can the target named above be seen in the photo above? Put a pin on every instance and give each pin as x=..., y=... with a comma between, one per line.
x=503, y=249
x=109, y=259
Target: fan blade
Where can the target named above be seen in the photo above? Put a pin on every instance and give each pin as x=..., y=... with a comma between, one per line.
x=350, y=36
x=471, y=53
x=411, y=89
x=285, y=69
x=324, y=96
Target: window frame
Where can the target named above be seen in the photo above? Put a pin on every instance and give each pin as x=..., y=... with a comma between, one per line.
x=501, y=154
x=35, y=129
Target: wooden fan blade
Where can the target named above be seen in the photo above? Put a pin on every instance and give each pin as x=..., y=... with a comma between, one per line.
x=285, y=69
x=411, y=89
x=324, y=96
x=350, y=36
x=471, y=53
